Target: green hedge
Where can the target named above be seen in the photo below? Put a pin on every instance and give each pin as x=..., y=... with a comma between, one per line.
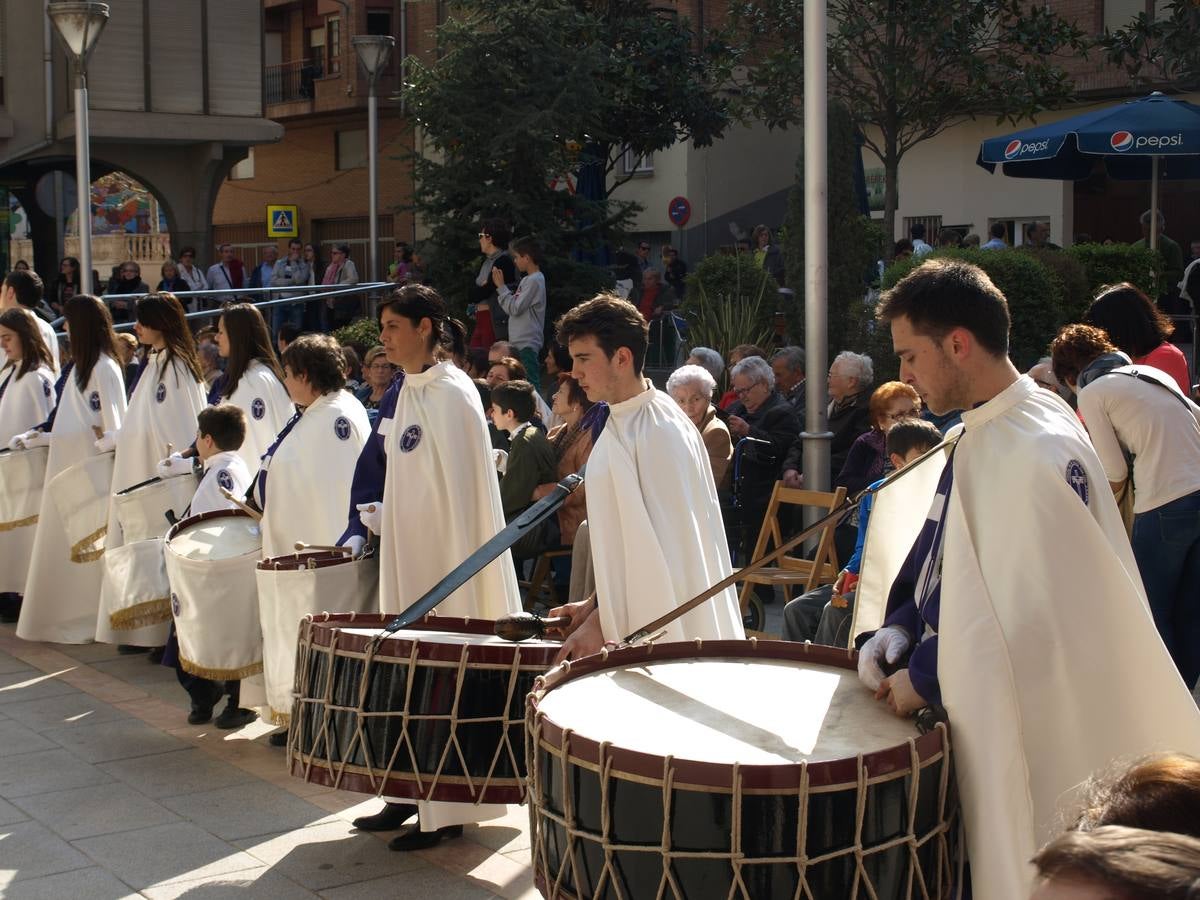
x=1112, y=263
x=729, y=279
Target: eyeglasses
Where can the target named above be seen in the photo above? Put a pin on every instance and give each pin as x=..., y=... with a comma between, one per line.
x=381, y=366
x=643, y=246
x=742, y=392
x=129, y=271
x=484, y=234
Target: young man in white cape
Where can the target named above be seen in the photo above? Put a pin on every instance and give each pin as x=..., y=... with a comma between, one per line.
x=1019, y=608
x=440, y=503
x=653, y=517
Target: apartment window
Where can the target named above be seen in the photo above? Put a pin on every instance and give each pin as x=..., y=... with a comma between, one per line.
x=633, y=164
x=379, y=22
x=333, y=45
x=351, y=149
x=1119, y=13
x=244, y=169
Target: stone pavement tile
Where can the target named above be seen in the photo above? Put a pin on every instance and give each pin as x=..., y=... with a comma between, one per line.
x=90, y=653
x=113, y=690
x=498, y=873
x=136, y=670
x=165, y=853
x=15, y=738
x=31, y=850
x=17, y=687
x=49, y=770
x=176, y=773
x=105, y=741
x=504, y=835
x=10, y=814
x=346, y=805
x=157, y=712
x=87, y=884
x=328, y=855
x=10, y=664
x=91, y=811
x=173, y=698
x=59, y=712
x=245, y=810
x=425, y=882
x=259, y=884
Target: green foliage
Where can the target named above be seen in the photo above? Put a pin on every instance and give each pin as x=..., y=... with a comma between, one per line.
x=1105, y=264
x=359, y=333
x=1159, y=47
x=1036, y=297
x=1074, y=289
x=855, y=242
x=727, y=303
x=569, y=283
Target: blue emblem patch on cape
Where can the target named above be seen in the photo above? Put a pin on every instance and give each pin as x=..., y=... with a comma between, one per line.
x=1078, y=480
x=341, y=427
x=225, y=480
x=46, y=387
x=258, y=408
x=94, y=401
x=410, y=439
x=175, y=604
x=161, y=394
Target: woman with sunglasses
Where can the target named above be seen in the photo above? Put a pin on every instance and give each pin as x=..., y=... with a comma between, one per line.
x=126, y=280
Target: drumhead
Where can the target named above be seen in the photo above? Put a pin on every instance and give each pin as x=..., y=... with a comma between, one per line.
x=452, y=637
x=728, y=710
x=216, y=537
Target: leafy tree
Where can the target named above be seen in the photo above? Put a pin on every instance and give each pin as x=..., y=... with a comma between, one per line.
x=527, y=95
x=911, y=69
x=1163, y=48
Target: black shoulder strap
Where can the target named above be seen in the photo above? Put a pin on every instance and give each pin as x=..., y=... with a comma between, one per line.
x=1148, y=380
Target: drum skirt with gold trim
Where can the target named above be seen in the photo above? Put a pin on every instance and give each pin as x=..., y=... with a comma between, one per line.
x=22, y=473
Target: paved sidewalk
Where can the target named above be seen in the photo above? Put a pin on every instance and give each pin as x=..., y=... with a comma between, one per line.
x=106, y=792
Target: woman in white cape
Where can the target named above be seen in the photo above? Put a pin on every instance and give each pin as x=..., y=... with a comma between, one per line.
x=441, y=499
x=303, y=489
x=162, y=413
x=252, y=381
x=26, y=399
x=61, y=594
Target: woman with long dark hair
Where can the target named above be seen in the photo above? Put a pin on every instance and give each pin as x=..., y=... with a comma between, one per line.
x=1140, y=330
x=252, y=380
x=162, y=413
x=68, y=283
x=62, y=592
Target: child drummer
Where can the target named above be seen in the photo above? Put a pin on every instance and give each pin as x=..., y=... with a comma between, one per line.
x=220, y=432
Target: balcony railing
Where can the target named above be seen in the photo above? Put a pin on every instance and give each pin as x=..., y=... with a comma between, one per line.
x=293, y=80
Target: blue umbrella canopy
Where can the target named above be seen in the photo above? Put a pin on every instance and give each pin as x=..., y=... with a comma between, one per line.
x=1128, y=137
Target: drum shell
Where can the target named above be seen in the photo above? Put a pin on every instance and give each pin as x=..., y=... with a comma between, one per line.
x=705, y=815
x=340, y=690
x=81, y=493
x=137, y=575
x=293, y=587
x=22, y=474
x=142, y=511
x=214, y=601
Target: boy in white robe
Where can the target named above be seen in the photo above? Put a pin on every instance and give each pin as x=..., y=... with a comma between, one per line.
x=1019, y=608
x=220, y=433
x=654, y=521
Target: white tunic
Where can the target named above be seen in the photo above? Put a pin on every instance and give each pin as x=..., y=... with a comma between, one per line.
x=222, y=470
x=1049, y=663
x=27, y=401
x=265, y=401
x=162, y=411
x=62, y=597
x=655, y=524
x=441, y=502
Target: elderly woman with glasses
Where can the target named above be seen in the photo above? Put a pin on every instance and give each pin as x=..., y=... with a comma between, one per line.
x=692, y=388
x=377, y=376
x=868, y=460
x=126, y=280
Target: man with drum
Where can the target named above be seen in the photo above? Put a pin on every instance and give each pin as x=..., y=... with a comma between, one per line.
x=1031, y=713
x=654, y=521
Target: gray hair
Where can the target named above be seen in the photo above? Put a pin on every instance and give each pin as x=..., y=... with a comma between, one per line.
x=757, y=368
x=709, y=359
x=1161, y=218
x=209, y=351
x=859, y=366
x=793, y=358
x=685, y=375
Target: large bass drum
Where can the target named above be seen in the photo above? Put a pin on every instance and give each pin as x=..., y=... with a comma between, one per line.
x=734, y=769
x=432, y=712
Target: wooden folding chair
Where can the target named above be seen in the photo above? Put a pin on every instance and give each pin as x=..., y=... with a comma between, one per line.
x=541, y=579
x=823, y=568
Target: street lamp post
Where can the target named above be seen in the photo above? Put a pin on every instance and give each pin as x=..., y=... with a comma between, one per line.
x=79, y=25
x=373, y=51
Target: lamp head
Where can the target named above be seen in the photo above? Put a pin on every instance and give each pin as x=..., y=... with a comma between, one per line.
x=78, y=23
x=373, y=51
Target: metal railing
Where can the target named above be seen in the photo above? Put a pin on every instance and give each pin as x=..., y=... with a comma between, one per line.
x=293, y=80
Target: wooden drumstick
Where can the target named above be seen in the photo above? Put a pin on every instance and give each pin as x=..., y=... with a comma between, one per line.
x=321, y=548
x=97, y=431
x=248, y=510
x=524, y=625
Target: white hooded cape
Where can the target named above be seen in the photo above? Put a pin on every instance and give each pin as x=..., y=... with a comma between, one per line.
x=265, y=401
x=27, y=401
x=655, y=524
x=441, y=502
x=221, y=470
x=61, y=597
x=162, y=411
x=1049, y=662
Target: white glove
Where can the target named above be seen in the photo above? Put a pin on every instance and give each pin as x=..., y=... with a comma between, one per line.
x=356, y=543
x=886, y=645
x=30, y=439
x=371, y=515
x=107, y=442
x=173, y=466
x=500, y=458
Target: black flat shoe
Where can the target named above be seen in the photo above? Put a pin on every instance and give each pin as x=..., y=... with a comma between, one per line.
x=413, y=838
x=156, y=655
x=391, y=817
x=131, y=650
x=235, y=717
x=199, y=716
x=278, y=739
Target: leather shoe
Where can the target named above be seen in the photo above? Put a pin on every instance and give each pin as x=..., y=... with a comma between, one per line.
x=391, y=817
x=156, y=655
x=131, y=649
x=413, y=838
x=278, y=738
x=235, y=717
x=199, y=716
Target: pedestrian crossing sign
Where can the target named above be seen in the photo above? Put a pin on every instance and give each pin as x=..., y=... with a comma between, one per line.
x=282, y=222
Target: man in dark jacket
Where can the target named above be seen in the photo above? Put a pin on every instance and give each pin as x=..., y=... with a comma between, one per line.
x=850, y=379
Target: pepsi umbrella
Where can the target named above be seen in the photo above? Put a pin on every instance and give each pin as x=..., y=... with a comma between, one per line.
x=1146, y=139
